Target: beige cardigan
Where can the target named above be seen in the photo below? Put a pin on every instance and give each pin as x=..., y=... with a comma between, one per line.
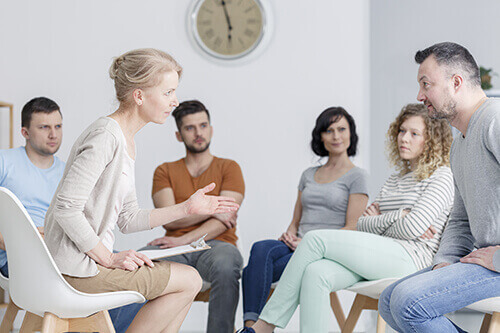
x=90, y=199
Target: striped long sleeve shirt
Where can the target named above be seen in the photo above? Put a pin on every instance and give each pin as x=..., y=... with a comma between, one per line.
x=429, y=202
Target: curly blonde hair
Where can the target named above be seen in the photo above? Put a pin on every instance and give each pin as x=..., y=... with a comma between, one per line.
x=438, y=140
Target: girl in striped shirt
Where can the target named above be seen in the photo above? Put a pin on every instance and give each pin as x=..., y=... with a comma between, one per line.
x=400, y=230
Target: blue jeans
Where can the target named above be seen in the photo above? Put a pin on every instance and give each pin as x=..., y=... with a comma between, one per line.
x=417, y=303
x=267, y=262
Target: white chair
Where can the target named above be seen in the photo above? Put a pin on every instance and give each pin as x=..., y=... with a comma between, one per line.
x=367, y=294
x=37, y=286
x=491, y=309
x=11, y=309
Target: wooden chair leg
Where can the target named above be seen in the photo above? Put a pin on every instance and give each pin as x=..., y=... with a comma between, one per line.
x=103, y=322
x=99, y=322
x=337, y=309
x=486, y=323
x=53, y=324
x=8, y=318
x=381, y=324
x=352, y=318
x=494, y=326
x=31, y=323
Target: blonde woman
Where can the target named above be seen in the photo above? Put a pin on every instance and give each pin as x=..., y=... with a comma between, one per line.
x=401, y=228
x=97, y=193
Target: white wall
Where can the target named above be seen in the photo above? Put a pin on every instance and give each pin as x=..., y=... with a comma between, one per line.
x=263, y=111
x=400, y=28
x=357, y=54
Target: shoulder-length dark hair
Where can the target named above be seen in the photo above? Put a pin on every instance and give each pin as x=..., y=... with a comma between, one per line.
x=325, y=119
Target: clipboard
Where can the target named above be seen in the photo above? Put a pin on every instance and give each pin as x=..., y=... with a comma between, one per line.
x=154, y=252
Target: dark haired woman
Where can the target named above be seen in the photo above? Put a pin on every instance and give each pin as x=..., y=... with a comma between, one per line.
x=331, y=196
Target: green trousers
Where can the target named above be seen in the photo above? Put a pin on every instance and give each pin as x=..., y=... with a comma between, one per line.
x=331, y=260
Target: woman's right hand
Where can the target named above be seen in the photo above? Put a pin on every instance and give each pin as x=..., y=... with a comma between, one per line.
x=290, y=239
x=284, y=236
x=129, y=260
x=201, y=204
x=372, y=210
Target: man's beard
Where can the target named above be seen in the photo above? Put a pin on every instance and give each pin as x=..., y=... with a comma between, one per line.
x=194, y=150
x=448, y=111
x=45, y=151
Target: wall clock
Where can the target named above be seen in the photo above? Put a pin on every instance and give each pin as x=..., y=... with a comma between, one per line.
x=229, y=30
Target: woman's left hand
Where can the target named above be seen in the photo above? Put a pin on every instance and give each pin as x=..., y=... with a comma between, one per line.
x=201, y=204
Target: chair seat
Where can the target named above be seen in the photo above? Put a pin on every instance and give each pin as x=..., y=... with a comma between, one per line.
x=372, y=289
x=76, y=304
x=36, y=284
x=488, y=305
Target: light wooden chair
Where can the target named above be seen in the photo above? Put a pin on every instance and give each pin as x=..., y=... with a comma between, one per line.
x=11, y=308
x=491, y=309
x=37, y=286
x=367, y=294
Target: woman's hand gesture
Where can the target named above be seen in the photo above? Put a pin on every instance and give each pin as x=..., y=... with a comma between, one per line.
x=201, y=204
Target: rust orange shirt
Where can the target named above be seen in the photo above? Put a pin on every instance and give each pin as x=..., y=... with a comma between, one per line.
x=225, y=173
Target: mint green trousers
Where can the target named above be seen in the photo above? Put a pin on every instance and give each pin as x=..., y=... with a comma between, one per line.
x=331, y=260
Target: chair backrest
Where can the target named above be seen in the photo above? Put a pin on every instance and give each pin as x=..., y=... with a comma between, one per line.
x=34, y=279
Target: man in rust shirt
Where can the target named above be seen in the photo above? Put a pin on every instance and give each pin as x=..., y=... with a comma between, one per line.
x=174, y=182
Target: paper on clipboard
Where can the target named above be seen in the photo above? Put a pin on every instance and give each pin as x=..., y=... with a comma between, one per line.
x=154, y=252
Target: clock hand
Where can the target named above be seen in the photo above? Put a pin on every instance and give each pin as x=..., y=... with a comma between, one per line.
x=229, y=27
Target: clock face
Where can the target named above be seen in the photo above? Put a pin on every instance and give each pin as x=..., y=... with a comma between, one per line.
x=228, y=29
